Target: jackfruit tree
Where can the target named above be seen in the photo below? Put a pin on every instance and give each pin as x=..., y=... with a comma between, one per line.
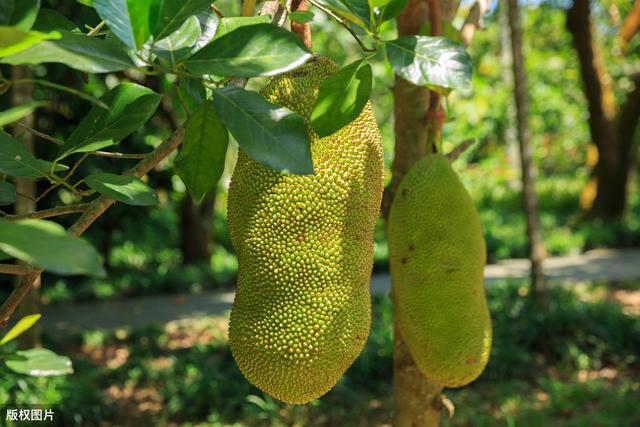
x=306, y=190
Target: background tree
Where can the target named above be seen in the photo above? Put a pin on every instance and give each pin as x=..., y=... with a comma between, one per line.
x=612, y=123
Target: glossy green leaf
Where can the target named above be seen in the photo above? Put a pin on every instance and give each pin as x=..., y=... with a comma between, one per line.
x=123, y=188
x=40, y=362
x=356, y=12
x=272, y=135
x=249, y=51
x=20, y=327
x=127, y=19
x=301, y=16
x=19, y=13
x=13, y=114
x=230, y=23
x=52, y=20
x=47, y=245
x=77, y=51
x=7, y=193
x=13, y=40
x=341, y=98
x=201, y=160
x=130, y=106
x=430, y=61
x=16, y=160
x=178, y=44
x=173, y=13
x=390, y=10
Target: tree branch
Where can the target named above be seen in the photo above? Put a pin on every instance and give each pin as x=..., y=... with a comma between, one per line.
x=16, y=270
x=597, y=83
x=48, y=213
x=629, y=118
x=90, y=215
x=631, y=24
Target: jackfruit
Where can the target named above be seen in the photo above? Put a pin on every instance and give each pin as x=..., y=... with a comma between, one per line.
x=437, y=256
x=304, y=243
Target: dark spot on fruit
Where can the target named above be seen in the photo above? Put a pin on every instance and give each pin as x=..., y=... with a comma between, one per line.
x=301, y=238
x=405, y=260
x=411, y=247
x=450, y=270
x=472, y=360
x=404, y=192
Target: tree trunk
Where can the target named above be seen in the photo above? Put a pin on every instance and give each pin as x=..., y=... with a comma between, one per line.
x=26, y=193
x=535, y=245
x=612, y=132
x=196, y=221
x=416, y=401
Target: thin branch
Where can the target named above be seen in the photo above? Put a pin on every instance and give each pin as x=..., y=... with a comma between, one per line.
x=48, y=213
x=217, y=11
x=16, y=270
x=40, y=134
x=96, y=29
x=462, y=148
x=26, y=196
x=90, y=215
x=631, y=24
x=115, y=155
x=343, y=23
x=247, y=7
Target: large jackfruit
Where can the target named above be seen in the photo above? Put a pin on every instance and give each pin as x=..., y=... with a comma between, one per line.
x=437, y=256
x=301, y=313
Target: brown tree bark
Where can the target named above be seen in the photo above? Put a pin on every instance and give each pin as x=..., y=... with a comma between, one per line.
x=416, y=401
x=612, y=131
x=631, y=23
x=25, y=202
x=535, y=245
x=196, y=222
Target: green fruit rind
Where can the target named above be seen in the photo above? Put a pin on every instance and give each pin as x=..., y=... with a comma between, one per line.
x=437, y=256
x=301, y=314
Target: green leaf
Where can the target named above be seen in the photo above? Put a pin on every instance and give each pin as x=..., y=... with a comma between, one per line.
x=7, y=193
x=127, y=19
x=130, y=106
x=430, y=61
x=354, y=11
x=40, y=362
x=47, y=245
x=13, y=40
x=173, y=13
x=23, y=13
x=390, y=10
x=123, y=188
x=16, y=160
x=16, y=113
x=271, y=134
x=249, y=51
x=201, y=160
x=86, y=2
x=301, y=16
x=6, y=9
x=179, y=43
x=23, y=325
x=341, y=98
x=52, y=20
x=230, y=23
x=77, y=51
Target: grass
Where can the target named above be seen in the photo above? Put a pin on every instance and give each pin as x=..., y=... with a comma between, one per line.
x=576, y=365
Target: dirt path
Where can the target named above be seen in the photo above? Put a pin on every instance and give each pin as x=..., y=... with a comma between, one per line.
x=67, y=319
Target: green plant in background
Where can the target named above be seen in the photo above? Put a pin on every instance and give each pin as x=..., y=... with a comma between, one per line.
x=36, y=362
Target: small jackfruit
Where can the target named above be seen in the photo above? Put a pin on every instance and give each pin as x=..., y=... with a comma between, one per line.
x=304, y=243
x=437, y=256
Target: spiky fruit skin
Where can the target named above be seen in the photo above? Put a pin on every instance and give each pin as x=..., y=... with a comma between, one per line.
x=301, y=314
x=437, y=256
